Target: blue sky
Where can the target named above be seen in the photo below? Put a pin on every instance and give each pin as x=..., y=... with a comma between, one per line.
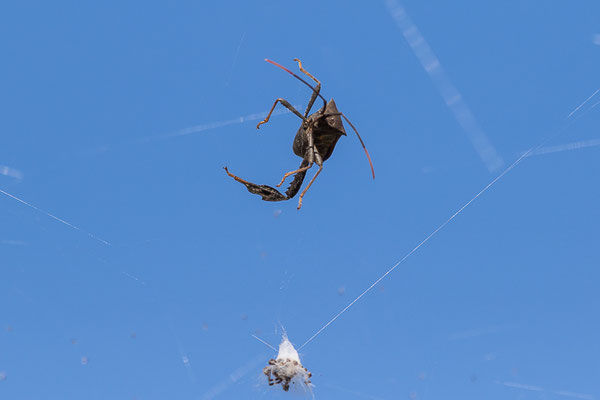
x=118, y=118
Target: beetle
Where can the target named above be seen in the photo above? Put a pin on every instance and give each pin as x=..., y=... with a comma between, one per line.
x=314, y=142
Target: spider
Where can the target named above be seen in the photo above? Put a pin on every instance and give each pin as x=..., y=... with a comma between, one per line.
x=284, y=370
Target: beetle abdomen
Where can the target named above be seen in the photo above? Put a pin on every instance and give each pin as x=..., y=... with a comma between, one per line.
x=300, y=143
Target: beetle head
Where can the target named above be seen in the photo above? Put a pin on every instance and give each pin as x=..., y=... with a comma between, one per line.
x=331, y=117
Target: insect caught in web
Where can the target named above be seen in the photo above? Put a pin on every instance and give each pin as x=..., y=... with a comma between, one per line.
x=286, y=368
x=314, y=142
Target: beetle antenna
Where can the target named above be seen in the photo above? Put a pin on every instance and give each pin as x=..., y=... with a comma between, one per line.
x=362, y=143
x=297, y=77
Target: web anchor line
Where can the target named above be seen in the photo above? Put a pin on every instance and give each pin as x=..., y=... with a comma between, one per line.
x=432, y=234
x=461, y=209
x=62, y=221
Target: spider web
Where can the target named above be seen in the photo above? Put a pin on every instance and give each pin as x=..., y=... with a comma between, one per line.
x=131, y=264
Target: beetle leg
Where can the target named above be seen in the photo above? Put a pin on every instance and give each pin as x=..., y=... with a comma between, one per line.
x=266, y=192
x=237, y=178
x=306, y=72
x=294, y=172
x=307, y=162
x=284, y=103
x=316, y=157
x=308, y=186
x=316, y=90
x=269, y=193
x=296, y=182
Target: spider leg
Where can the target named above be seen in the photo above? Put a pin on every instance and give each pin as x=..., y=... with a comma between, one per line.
x=284, y=103
x=267, y=372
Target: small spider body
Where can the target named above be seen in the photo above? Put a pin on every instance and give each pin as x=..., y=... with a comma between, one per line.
x=314, y=142
x=286, y=368
x=283, y=371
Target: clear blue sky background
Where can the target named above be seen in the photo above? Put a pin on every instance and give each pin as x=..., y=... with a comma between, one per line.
x=501, y=304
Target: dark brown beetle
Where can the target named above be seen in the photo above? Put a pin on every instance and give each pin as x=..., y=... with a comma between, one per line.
x=314, y=142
